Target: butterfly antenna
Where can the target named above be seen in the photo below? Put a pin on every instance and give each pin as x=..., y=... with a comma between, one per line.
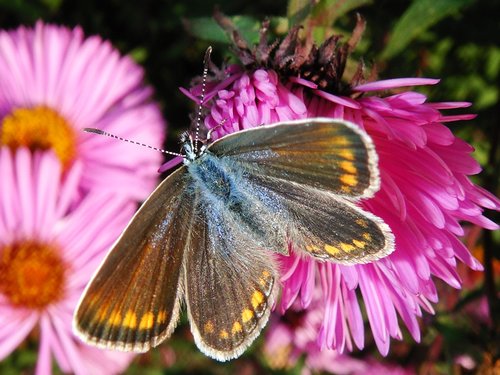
x=209, y=133
x=202, y=97
x=102, y=132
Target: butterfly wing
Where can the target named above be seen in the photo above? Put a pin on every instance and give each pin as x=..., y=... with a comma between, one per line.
x=322, y=153
x=328, y=227
x=314, y=169
x=230, y=284
x=132, y=303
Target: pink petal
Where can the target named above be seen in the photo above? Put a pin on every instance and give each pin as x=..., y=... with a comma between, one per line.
x=348, y=102
x=15, y=330
x=395, y=83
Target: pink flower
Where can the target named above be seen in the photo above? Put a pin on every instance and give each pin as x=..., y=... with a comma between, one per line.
x=49, y=248
x=294, y=336
x=55, y=82
x=425, y=194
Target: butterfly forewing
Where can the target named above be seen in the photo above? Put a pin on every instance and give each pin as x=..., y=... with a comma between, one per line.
x=322, y=153
x=132, y=303
x=231, y=283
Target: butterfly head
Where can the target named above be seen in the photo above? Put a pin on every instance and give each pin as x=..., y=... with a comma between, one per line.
x=191, y=149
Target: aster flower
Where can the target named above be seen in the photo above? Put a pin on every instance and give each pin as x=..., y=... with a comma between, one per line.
x=55, y=82
x=425, y=190
x=49, y=249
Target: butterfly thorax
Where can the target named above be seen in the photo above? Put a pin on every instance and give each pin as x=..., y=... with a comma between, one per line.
x=212, y=179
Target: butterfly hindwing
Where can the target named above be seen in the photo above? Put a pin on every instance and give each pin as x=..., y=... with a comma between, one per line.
x=133, y=301
x=328, y=227
x=230, y=283
x=326, y=154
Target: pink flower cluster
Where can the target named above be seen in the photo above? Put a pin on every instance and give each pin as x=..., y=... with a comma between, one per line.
x=425, y=195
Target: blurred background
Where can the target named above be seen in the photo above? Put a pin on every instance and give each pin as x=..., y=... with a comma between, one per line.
x=454, y=40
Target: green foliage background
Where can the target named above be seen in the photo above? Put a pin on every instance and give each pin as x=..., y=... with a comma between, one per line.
x=455, y=40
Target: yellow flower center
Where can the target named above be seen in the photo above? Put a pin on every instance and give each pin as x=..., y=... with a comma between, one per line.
x=39, y=128
x=31, y=274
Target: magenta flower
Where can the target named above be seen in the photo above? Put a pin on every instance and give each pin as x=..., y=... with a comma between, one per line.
x=294, y=337
x=49, y=248
x=425, y=194
x=55, y=82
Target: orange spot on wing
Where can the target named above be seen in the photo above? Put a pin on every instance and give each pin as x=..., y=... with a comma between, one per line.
x=162, y=317
x=346, y=189
x=147, y=321
x=209, y=327
x=101, y=313
x=130, y=320
x=237, y=327
x=257, y=299
x=347, y=154
x=246, y=315
x=313, y=248
x=340, y=141
x=360, y=244
x=362, y=223
x=349, y=179
x=346, y=247
x=348, y=166
x=332, y=250
x=115, y=318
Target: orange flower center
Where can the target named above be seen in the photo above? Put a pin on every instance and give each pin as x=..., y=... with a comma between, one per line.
x=39, y=128
x=31, y=274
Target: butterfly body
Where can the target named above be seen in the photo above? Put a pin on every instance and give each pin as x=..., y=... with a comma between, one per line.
x=226, y=195
x=212, y=178
x=206, y=235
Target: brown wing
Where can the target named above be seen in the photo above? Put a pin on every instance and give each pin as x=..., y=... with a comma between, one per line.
x=132, y=303
x=327, y=154
x=230, y=283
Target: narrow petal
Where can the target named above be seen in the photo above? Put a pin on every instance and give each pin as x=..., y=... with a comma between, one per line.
x=395, y=83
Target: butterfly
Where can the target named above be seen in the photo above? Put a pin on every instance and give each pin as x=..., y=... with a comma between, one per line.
x=208, y=235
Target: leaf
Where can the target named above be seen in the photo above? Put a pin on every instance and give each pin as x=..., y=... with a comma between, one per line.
x=298, y=11
x=205, y=28
x=53, y=5
x=330, y=10
x=420, y=16
x=323, y=13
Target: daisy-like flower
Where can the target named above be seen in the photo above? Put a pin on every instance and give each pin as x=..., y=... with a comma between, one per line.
x=49, y=248
x=425, y=190
x=54, y=82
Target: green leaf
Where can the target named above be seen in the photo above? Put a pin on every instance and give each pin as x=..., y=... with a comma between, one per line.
x=298, y=11
x=53, y=5
x=205, y=28
x=323, y=13
x=330, y=10
x=139, y=54
x=421, y=15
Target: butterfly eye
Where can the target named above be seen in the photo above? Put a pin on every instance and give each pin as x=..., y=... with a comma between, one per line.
x=187, y=149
